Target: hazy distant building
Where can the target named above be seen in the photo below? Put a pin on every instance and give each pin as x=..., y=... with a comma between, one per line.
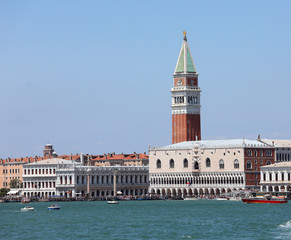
x=112, y=159
x=48, y=150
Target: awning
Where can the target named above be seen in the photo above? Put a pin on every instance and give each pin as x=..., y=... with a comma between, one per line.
x=13, y=192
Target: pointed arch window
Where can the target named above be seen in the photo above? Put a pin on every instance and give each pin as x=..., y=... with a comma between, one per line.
x=159, y=164
x=172, y=163
x=249, y=165
x=236, y=163
x=207, y=162
x=196, y=165
x=185, y=163
x=221, y=164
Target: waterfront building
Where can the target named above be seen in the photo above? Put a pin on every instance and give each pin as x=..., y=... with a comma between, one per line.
x=282, y=148
x=209, y=167
x=68, y=178
x=10, y=169
x=185, y=98
x=40, y=177
x=97, y=182
x=276, y=177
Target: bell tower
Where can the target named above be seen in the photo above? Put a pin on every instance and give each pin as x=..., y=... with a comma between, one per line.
x=186, y=124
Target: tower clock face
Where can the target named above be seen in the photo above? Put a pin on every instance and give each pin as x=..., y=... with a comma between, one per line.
x=192, y=82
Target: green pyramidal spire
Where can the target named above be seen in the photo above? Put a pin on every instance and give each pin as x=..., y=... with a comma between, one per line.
x=185, y=62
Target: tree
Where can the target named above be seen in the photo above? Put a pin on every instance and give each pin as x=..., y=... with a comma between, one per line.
x=4, y=191
x=15, y=183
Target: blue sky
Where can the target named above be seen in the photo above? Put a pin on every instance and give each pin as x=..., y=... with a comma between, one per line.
x=95, y=76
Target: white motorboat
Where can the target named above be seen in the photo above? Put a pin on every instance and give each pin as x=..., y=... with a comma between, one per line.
x=191, y=198
x=221, y=199
x=27, y=209
x=112, y=202
x=54, y=207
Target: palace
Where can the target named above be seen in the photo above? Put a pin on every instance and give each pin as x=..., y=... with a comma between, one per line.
x=207, y=167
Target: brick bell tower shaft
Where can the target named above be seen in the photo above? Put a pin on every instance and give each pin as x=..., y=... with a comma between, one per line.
x=186, y=124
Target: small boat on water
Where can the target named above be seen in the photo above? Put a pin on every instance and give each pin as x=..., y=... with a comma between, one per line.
x=27, y=209
x=54, y=207
x=221, y=199
x=191, y=198
x=264, y=199
x=112, y=202
x=24, y=200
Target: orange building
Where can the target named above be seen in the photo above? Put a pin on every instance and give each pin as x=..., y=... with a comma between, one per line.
x=13, y=168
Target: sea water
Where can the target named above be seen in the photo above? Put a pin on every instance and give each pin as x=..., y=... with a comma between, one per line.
x=201, y=219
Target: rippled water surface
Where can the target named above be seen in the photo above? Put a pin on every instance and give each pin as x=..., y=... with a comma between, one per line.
x=203, y=219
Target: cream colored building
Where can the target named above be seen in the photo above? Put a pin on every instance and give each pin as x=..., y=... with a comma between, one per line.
x=276, y=177
x=68, y=178
x=208, y=167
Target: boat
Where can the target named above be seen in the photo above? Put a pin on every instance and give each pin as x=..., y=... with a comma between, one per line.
x=27, y=209
x=24, y=200
x=191, y=198
x=112, y=202
x=54, y=207
x=264, y=199
x=221, y=199
x=234, y=199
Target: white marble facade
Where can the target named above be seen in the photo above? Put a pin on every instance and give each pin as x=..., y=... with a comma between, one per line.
x=199, y=167
x=276, y=177
x=59, y=177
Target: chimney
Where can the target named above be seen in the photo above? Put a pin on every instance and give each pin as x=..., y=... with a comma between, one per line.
x=82, y=158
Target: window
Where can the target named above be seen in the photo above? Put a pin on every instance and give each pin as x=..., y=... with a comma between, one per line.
x=235, y=163
x=256, y=153
x=221, y=164
x=185, y=163
x=196, y=165
x=207, y=162
x=269, y=162
x=261, y=153
x=159, y=164
x=172, y=163
x=249, y=165
x=249, y=153
x=268, y=153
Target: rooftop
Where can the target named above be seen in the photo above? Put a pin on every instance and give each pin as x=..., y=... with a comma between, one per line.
x=230, y=143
